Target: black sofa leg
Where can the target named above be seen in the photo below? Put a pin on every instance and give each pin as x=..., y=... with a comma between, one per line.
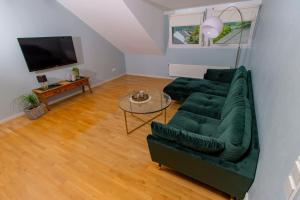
x=159, y=165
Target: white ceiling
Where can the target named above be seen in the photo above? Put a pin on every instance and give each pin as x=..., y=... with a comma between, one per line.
x=179, y=4
x=114, y=21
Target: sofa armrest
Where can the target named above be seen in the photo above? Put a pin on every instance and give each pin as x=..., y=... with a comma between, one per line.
x=191, y=140
x=211, y=170
x=220, y=75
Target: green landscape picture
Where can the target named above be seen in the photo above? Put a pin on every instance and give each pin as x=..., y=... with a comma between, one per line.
x=231, y=33
x=186, y=34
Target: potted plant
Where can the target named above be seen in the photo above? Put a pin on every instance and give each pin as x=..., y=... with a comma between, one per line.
x=76, y=72
x=32, y=107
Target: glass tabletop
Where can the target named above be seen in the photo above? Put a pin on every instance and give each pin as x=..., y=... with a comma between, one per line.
x=157, y=101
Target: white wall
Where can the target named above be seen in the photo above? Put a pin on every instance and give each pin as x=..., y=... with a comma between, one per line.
x=157, y=65
x=276, y=68
x=33, y=18
x=152, y=20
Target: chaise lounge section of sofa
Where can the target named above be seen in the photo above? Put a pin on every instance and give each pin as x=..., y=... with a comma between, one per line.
x=213, y=137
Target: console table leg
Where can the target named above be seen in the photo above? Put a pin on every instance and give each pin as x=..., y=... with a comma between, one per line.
x=83, y=89
x=90, y=89
x=45, y=101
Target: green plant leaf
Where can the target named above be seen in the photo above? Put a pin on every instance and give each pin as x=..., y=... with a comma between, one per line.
x=30, y=101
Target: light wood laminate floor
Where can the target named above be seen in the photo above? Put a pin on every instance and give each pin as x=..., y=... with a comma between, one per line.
x=80, y=151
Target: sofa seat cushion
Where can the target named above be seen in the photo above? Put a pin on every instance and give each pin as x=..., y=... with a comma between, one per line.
x=203, y=83
x=206, y=134
x=211, y=91
x=235, y=131
x=208, y=87
x=182, y=87
x=199, y=97
x=195, y=123
x=177, y=89
x=189, y=139
x=204, y=104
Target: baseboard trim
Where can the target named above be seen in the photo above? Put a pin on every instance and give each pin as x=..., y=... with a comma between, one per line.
x=108, y=80
x=14, y=116
x=150, y=76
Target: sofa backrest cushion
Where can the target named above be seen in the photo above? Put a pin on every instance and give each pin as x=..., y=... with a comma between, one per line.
x=237, y=90
x=241, y=72
x=239, y=87
x=186, y=138
x=235, y=131
x=220, y=75
x=195, y=123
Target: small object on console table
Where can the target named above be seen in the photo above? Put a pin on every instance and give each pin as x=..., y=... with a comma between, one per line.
x=62, y=86
x=42, y=79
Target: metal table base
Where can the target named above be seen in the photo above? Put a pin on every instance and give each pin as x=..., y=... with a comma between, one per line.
x=164, y=111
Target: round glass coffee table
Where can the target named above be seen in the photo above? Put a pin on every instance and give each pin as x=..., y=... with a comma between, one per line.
x=158, y=102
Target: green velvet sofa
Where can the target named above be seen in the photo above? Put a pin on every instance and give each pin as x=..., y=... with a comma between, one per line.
x=213, y=137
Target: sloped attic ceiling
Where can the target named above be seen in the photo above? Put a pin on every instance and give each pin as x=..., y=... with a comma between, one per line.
x=116, y=21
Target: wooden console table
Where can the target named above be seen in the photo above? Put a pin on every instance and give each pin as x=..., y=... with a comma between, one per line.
x=44, y=95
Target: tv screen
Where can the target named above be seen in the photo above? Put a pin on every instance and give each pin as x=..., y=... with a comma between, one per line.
x=47, y=52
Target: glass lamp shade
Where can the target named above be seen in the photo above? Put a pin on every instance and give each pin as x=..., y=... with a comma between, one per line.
x=212, y=27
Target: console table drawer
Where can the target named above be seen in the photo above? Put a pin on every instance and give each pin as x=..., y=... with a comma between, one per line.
x=82, y=82
x=49, y=93
x=70, y=87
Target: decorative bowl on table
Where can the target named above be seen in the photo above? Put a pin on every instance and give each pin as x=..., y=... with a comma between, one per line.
x=139, y=97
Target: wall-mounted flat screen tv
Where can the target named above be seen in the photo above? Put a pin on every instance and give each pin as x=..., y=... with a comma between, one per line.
x=47, y=52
